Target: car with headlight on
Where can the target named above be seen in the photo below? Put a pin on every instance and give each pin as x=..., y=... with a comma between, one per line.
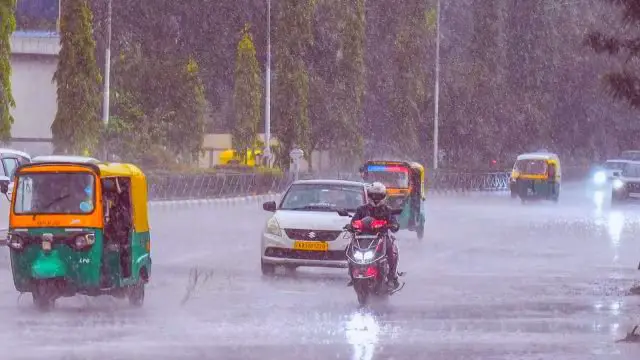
x=604, y=174
x=626, y=183
x=306, y=229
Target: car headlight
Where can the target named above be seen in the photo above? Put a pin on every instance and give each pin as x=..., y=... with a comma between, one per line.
x=600, y=178
x=618, y=184
x=363, y=256
x=273, y=228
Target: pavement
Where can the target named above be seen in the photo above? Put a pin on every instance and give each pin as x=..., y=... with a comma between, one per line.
x=493, y=279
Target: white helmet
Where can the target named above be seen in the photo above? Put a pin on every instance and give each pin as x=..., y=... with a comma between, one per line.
x=376, y=193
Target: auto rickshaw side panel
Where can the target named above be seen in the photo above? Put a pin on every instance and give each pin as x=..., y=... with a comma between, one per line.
x=140, y=236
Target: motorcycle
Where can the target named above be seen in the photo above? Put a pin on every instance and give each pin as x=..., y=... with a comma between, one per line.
x=367, y=259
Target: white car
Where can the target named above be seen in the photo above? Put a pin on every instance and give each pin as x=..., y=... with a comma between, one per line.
x=306, y=229
x=610, y=169
x=626, y=184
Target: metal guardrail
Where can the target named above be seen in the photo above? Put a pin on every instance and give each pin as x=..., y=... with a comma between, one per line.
x=202, y=186
x=219, y=185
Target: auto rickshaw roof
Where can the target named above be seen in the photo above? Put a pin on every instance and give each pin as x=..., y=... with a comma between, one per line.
x=64, y=159
x=119, y=169
x=539, y=156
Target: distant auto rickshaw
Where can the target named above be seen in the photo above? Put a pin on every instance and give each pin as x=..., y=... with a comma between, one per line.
x=536, y=176
x=405, y=190
x=79, y=227
x=229, y=157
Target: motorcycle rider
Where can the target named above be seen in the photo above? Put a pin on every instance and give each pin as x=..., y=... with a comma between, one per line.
x=378, y=209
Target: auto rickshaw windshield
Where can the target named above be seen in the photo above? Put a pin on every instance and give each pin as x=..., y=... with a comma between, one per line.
x=55, y=193
x=532, y=167
x=390, y=179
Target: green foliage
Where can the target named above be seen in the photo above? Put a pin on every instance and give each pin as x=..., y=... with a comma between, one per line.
x=247, y=96
x=623, y=84
x=291, y=90
x=7, y=27
x=76, y=128
x=410, y=94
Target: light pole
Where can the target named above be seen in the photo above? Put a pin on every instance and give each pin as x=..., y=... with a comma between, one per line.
x=436, y=97
x=107, y=78
x=267, y=98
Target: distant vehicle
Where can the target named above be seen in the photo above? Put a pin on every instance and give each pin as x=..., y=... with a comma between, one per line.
x=11, y=159
x=626, y=183
x=630, y=155
x=605, y=173
x=306, y=229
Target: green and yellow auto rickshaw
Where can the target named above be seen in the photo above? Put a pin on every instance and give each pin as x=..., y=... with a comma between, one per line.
x=536, y=176
x=405, y=189
x=79, y=227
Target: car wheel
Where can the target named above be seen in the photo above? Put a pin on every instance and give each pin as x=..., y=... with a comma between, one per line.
x=267, y=269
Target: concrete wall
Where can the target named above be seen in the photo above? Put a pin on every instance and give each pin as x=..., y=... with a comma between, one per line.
x=33, y=62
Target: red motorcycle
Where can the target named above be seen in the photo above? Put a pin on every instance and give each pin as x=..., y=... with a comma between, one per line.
x=367, y=259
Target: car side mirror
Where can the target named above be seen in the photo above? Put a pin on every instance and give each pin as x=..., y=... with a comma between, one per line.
x=4, y=184
x=270, y=206
x=396, y=212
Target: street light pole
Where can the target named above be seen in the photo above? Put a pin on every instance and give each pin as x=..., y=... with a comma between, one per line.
x=107, y=69
x=267, y=100
x=436, y=97
x=107, y=79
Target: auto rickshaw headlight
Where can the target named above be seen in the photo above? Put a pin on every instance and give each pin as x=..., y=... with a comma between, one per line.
x=86, y=240
x=15, y=242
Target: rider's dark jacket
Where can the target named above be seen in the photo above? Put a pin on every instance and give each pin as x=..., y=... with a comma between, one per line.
x=377, y=212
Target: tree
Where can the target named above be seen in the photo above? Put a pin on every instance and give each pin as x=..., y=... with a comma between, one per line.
x=7, y=27
x=76, y=128
x=623, y=84
x=410, y=92
x=293, y=39
x=247, y=95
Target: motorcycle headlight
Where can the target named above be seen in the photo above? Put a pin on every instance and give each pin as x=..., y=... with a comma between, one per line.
x=600, y=178
x=618, y=184
x=363, y=256
x=273, y=228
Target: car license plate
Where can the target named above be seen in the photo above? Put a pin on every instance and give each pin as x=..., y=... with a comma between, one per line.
x=311, y=245
x=46, y=245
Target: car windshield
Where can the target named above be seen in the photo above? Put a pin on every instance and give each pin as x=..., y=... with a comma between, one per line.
x=630, y=155
x=631, y=170
x=323, y=197
x=532, y=167
x=390, y=179
x=55, y=193
x=614, y=165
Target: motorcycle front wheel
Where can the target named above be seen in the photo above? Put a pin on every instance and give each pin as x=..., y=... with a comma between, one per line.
x=363, y=291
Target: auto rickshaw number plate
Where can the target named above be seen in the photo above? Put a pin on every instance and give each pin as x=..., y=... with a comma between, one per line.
x=46, y=245
x=311, y=245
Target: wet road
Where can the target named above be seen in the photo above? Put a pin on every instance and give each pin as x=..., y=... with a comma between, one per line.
x=493, y=280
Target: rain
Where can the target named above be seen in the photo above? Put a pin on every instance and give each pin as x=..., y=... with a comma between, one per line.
x=504, y=132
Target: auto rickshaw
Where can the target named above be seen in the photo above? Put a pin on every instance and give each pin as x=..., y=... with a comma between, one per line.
x=405, y=190
x=536, y=176
x=79, y=227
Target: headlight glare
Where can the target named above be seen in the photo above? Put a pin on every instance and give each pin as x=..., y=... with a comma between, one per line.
x=618, y=184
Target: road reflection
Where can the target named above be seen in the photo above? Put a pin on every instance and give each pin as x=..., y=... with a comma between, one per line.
x=362, y=331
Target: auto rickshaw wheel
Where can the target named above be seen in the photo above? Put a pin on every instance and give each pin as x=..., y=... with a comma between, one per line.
x=43, y=296
x=136, y=294
x=420, y=230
